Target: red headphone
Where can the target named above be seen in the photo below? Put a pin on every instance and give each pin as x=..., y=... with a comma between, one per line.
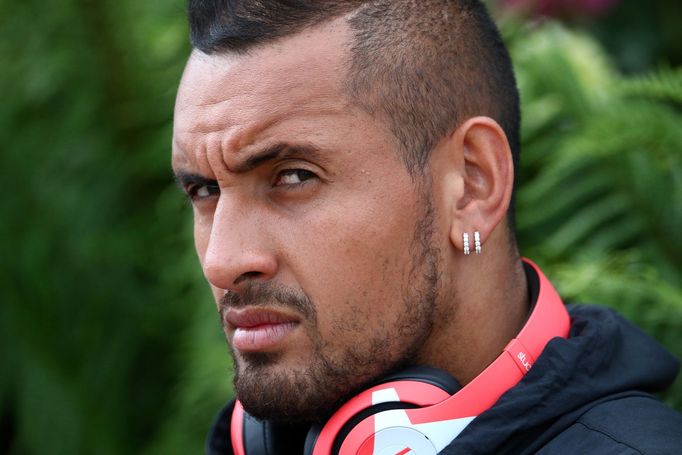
x=421, y=409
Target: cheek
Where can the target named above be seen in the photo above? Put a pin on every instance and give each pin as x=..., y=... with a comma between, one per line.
x=354, y=265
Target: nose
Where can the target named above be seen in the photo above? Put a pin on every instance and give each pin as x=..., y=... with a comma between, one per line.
x=238, y=250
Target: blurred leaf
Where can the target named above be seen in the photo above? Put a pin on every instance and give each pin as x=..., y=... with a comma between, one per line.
x=600, y=199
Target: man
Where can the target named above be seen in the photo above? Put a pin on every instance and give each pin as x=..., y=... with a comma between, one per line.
x=351, y=166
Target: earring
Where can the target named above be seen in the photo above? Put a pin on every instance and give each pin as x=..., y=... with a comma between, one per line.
x=465, y=236
x=477, y=242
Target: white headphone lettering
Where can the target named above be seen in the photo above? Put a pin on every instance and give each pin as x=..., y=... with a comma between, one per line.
x=522, y=357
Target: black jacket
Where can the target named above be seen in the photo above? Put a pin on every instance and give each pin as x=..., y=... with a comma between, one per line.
x=588, y=394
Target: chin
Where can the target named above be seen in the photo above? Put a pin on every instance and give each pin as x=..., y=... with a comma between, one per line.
x=288, y=397
x=307, y=393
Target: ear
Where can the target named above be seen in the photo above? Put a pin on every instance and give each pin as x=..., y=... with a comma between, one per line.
x=485, y=169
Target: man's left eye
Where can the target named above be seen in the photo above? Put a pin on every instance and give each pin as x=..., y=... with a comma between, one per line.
x=293, y=177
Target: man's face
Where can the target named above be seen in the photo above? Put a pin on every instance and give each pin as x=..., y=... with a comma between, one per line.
x=315, y=240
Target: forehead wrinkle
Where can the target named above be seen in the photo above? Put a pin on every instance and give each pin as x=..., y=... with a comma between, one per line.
x=238, y=122
x=291, y=121
x=193, y=159
x=217, y=151
x=180, y=157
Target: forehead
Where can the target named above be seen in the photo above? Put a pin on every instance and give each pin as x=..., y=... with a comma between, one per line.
x=240, y=95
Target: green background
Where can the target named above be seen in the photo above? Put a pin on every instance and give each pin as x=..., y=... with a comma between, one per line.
x=109, y=340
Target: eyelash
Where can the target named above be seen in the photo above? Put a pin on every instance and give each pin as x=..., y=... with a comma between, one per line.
x=193, y=189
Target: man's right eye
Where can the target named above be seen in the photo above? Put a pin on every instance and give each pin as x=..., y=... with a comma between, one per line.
x=199, y=192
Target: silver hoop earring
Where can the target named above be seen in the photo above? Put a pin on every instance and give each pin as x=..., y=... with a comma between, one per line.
x=477, y=242
x=465, y=237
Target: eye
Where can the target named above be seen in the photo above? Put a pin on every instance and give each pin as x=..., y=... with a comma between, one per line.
x=293, y=177
x=198, y=192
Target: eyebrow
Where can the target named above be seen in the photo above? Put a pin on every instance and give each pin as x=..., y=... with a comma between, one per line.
x=281, y=150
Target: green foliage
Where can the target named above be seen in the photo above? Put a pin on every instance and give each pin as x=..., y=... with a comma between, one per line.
x=108, y=337
x=98, y=275
x=600, y=205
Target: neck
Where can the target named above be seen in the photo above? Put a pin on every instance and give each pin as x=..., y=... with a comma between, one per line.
x=486, y=306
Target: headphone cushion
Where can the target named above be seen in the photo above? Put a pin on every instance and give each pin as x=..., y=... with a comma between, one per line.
x=267, y=438
x=429, y=375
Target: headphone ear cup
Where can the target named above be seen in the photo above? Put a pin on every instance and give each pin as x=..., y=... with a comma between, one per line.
x=360, y=407
x=260, y=437
x=428, y=375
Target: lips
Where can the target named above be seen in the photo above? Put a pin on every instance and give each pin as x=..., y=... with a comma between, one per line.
x=258, y=329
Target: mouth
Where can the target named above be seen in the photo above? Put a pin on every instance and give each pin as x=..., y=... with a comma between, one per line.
x=258, y=329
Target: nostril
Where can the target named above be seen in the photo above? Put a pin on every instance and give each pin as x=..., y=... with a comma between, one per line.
x=248, y=276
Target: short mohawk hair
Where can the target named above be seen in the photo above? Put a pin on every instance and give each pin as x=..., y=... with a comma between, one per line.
x=237, y=25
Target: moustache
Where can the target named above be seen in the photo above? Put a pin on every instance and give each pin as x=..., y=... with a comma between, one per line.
x=268, y=294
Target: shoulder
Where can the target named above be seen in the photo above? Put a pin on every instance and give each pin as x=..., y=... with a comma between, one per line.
x=639, y=425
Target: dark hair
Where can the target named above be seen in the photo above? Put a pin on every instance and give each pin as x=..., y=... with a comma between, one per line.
x=424, y=66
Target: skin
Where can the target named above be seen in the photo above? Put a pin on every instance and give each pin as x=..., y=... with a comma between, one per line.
x=333, y=236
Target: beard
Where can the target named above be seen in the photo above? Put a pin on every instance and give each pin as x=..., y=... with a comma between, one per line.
x=311, y=394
